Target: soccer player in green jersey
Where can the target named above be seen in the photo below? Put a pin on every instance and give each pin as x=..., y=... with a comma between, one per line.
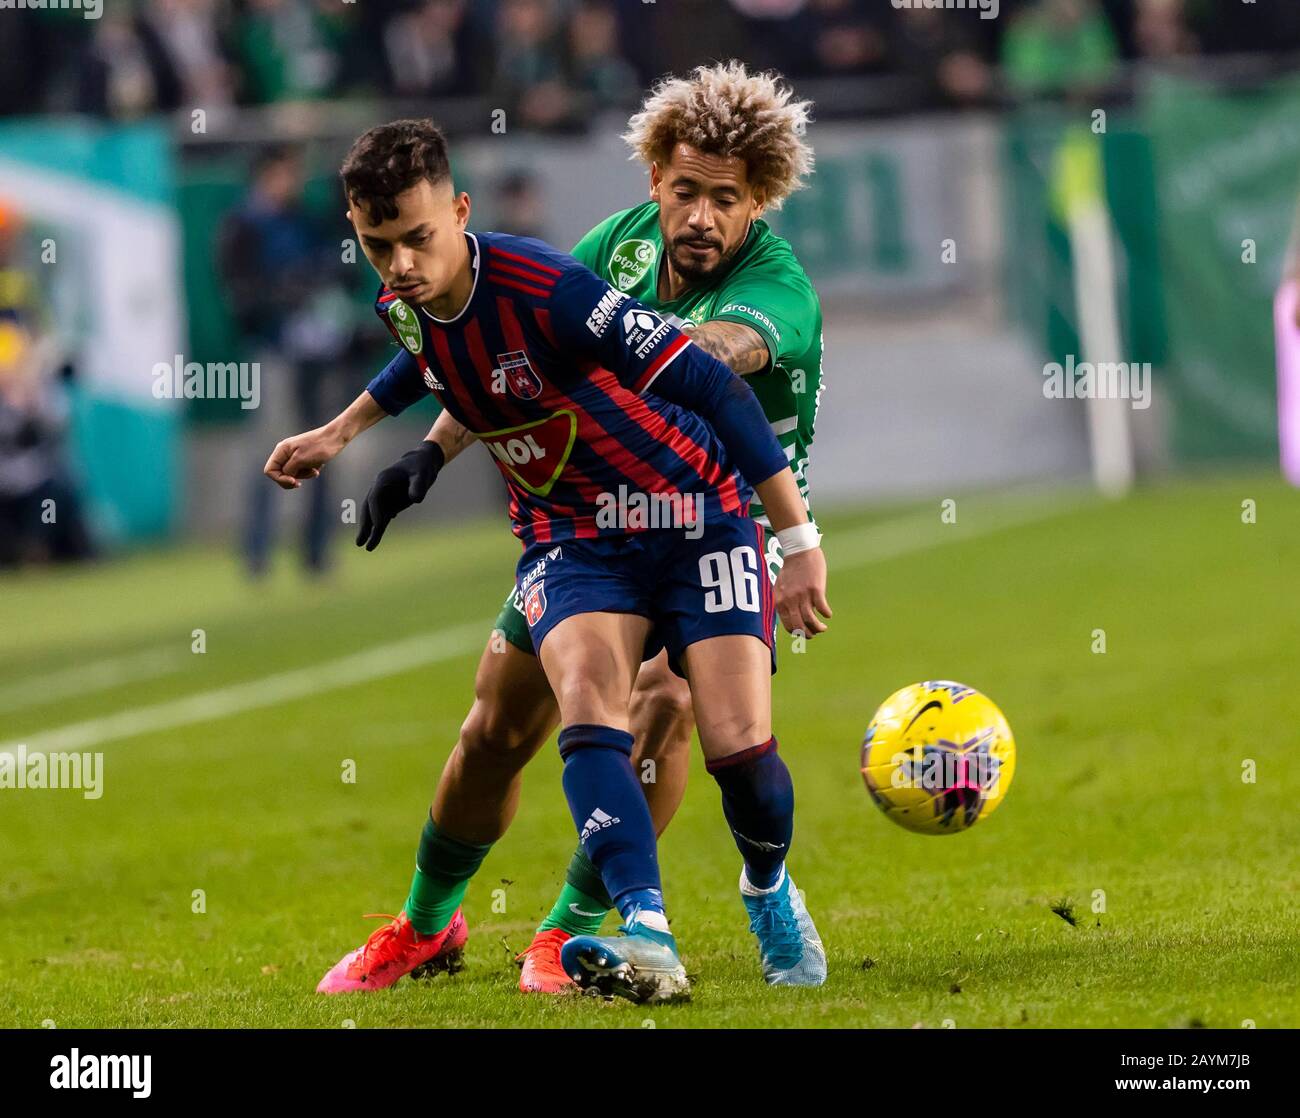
x=722, y=147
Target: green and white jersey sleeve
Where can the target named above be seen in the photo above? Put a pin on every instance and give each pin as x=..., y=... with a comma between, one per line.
x=594, y=248
x=765, y=288
x=771, y=293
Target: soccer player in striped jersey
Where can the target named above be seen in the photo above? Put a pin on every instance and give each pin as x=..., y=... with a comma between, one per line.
x=699, y=253
x=580, y=391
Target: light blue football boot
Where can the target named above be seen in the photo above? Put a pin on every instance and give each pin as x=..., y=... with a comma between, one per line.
x=792, y=950
x=640, y=964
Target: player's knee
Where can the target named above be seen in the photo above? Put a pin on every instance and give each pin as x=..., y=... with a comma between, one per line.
x=491, y=732
x=732, y=732
x=584, y=700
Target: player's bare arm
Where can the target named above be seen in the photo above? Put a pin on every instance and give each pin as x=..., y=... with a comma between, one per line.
x=801, y=585
x=300, y=457
x=450, y=434
x=741, y=348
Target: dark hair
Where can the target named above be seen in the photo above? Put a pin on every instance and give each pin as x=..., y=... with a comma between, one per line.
x=390, y=158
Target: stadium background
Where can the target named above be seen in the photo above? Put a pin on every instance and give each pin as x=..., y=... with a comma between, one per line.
x=126, y=141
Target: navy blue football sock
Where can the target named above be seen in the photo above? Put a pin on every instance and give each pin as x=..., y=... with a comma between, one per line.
x=758, y=801
x=611, y=815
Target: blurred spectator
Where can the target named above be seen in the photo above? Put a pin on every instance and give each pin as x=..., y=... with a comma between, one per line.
x=530, y=72
x=519, y=205
x=674, y=38
x=814, y=38
x=1059, y=46
x=598, y=68
x=32, y=50
x=126, y=72
x=187, y=32
x=289, y=49
x=1160, y=29
x=548, y=62
x=432, y=51
x=40, y=509
x=284, y=281
x=942, y=52
x=847, y=37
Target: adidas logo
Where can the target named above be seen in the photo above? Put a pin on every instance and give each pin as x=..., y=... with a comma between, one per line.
x=597, y=821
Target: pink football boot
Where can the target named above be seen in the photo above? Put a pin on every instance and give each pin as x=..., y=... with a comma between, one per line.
x=394, y=950
x=539, y=962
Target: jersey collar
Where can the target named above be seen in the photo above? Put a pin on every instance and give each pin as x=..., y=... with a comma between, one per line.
x=474, y=265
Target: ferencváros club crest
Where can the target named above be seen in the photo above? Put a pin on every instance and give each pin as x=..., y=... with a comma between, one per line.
x=630, y=262
x=535, y=602
x=408, y=329
x=520, y=375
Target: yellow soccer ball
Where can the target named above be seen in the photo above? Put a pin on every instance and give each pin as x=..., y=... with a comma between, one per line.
x=938, y=757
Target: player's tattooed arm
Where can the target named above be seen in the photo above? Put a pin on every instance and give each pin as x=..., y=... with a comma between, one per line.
x=452, y=436
x=741, y=348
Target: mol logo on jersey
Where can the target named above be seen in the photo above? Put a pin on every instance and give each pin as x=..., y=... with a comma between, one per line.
x=534, y=454
x=520, y=375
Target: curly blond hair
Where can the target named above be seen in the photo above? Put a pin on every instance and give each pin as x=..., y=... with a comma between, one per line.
x=725, y=110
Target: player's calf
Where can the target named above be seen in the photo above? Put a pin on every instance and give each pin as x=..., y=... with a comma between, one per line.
x=663, y=723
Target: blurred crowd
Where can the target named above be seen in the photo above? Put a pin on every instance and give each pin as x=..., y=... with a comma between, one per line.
x=41, y=516
x=554, y=60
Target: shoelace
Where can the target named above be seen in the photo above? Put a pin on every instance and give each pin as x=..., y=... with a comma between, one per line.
x=777, y=928
x=379, y=939
x=542, y=941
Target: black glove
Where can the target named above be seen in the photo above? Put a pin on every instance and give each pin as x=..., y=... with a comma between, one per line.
x=398, y=487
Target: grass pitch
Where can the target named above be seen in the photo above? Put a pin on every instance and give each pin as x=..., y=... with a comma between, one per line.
x=1131, y=878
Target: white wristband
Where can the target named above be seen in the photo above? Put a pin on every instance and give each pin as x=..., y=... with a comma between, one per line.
x=802, y=537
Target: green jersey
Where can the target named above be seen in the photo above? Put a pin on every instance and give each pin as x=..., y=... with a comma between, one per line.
x=763, y=286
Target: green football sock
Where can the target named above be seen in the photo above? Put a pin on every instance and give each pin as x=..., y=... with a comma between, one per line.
x=582, y=904
x=443, y=867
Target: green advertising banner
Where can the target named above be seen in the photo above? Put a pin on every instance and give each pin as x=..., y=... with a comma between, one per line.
x=1227, y=168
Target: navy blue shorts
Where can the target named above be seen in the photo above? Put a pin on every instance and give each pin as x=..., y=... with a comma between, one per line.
x=690, y=589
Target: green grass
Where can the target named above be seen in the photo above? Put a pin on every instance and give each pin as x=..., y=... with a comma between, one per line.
x=1129, y=782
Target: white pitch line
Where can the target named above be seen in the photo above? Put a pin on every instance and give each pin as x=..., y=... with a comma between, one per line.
x=86, y=679
x=873, y=543
x=347, y=671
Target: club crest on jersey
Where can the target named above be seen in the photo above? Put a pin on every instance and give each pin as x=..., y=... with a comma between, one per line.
x=630, y=262
x=406, y=325
x=535, y=602
x=520, y=376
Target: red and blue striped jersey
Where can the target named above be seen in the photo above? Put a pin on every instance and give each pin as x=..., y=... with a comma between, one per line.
x=555, y=371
